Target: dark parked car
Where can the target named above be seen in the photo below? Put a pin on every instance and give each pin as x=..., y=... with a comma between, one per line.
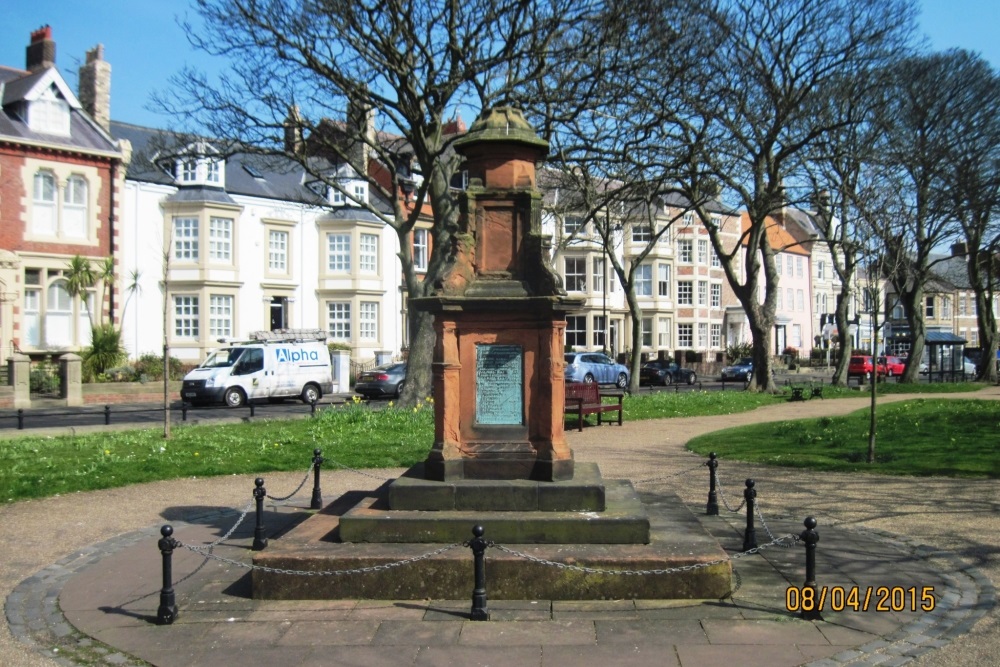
x=741, y=370
x=595, y=367
x=665, y=372
x=387, y=380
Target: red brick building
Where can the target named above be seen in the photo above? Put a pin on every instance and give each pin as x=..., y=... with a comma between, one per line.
x=60, y=176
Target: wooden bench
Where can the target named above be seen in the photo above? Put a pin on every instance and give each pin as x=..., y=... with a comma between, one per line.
x=584, y=399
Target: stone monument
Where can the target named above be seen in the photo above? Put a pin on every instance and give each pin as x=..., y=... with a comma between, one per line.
x=500, y=457
x=500, y=318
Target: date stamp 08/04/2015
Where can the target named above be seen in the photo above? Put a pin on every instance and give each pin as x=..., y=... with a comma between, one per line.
x=859, y=598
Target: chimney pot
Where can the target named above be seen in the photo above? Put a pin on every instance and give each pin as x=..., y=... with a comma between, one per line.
x=41, y=52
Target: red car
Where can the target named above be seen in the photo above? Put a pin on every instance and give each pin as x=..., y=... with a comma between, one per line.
x=893, y=366
x=861, y=366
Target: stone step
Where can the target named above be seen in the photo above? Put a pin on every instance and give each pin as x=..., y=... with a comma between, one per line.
x=623, y=521
x=585, y=492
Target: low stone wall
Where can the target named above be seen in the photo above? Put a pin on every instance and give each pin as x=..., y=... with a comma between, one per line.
x=6, y=398
x=111, y=393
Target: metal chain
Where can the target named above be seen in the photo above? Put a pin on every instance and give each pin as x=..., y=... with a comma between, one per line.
x=243, y=515
x=297, y=489
x=359, y=472
x=722, y=494
x=317, y=573
x=673, y=570
x=764, y=523
x=676, y=474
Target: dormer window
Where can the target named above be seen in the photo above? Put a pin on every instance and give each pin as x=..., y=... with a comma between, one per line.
x=358, y=194
x=200, y=167
x=49, y=114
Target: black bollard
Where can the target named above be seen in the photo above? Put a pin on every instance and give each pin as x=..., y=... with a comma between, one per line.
x=166, y=613
x=20, y=419
x=250, y=405
x=811, y=537
x=184, y=412
x=259, y=537
x=107, y=415
x=478, y=545
x=712, y=508
x=312, y=408
x=317, y=498
x=750, y=535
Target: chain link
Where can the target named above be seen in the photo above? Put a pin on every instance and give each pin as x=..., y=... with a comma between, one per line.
x=297, y=489
x=381, y=478
x=207, y=553
x=243, y=515
x=722, y=494
x=673, y=570
x=764, y=524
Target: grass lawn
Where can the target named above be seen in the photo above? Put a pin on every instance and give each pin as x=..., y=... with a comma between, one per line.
x=354, y=435
x=919, y=437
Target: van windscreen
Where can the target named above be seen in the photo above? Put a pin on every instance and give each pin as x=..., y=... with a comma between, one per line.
x=223, y=358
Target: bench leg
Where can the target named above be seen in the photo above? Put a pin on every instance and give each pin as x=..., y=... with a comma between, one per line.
x=620, y=411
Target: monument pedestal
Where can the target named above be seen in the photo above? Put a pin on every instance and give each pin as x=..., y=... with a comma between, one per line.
x=363, y=530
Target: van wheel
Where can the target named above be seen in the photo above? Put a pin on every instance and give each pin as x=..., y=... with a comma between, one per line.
x=311, y=394
x=235, y=397
x=692, y=378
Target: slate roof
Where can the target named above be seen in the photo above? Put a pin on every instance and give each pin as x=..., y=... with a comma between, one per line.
x=246, y=174
x=85, y=134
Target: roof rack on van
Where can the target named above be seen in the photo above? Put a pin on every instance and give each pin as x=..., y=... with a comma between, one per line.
x=288, y=335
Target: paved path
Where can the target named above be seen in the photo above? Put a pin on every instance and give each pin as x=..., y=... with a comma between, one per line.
x=91, y=558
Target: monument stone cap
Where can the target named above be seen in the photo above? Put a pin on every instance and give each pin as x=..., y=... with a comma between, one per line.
x=502, y=124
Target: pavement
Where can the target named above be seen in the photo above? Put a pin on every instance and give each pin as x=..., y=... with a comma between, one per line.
x=81, y=574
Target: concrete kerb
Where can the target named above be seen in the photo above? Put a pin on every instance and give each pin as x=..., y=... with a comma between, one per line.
x=35, y=618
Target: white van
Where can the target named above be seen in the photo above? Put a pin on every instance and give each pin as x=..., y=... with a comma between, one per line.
x=261, y=370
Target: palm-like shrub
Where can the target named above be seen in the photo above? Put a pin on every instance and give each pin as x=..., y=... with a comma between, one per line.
x=105, y=351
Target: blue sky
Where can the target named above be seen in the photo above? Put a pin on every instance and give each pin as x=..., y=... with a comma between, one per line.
x=145, y=46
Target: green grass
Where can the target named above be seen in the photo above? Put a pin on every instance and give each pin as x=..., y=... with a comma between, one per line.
x=353, y=435
x=920, y=437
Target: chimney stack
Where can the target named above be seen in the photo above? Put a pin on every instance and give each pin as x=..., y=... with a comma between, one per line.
x=95, y=87
x=360, y=134
x=294, y=143
x=41, y=52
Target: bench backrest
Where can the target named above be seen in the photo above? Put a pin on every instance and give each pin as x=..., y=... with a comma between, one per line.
x=589, y=392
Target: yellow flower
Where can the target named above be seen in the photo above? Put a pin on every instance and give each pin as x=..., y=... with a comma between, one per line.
x=107, y=452
x=196, y=454
x=390, y=404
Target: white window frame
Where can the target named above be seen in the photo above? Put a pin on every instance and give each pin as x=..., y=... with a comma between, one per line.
x=716, y=336
x=45, y=207
x=420, y=249
x=368, y=253
x=703, y=251
x=702, y=292
x=75, y=216
x=220, y=240
x=339, y=320
x=576, y=330
x=685, y=293
x=685, y=251
x=599, y=274
x=338, y=252
x=644, y=280
x=575, y=273
x=368, y=320
x=277, y=250
x=185, y=232
x=646, y=332
x=685, y=336
x=663, y=280
x=220, y=315
x=716, y=296
x=186, y=316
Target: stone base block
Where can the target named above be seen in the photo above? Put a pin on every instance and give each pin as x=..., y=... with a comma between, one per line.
x=676, y=540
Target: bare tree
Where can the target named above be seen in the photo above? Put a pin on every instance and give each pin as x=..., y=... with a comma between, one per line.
x=972, y=174
x=416, y=64
x=838, y=167
x=718, y=103
x=757, y=116
x=913, y=217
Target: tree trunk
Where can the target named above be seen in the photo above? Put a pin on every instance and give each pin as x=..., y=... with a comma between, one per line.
x=845, y=343
x=913, y=303
x=987, y=322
